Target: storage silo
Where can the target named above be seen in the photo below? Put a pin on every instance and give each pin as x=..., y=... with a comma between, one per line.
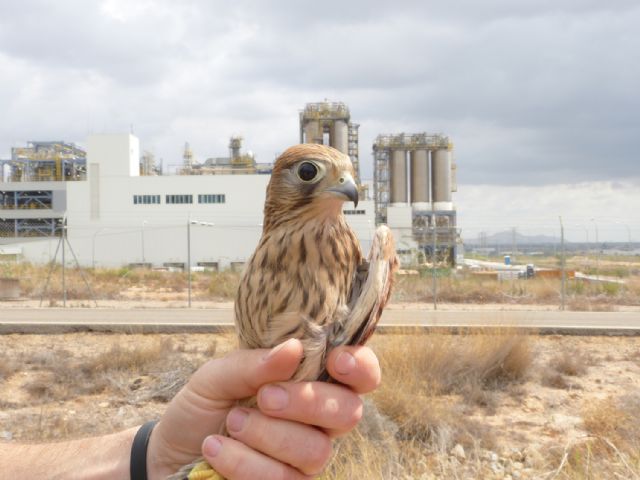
x=420, y=179
x=399, y=177
x=340, y=136
x=441, y=179
x=312, y=132
x=329, y=123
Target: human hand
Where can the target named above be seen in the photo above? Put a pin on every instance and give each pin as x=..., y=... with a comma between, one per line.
x=287, y=436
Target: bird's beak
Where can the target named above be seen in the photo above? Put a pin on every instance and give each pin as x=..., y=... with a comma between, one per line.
x=346, y=186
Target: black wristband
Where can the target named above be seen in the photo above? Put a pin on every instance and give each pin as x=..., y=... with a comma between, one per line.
x=138, y=464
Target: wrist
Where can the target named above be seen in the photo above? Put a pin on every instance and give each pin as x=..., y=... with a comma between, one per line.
x=157, y=466
x=138, y=469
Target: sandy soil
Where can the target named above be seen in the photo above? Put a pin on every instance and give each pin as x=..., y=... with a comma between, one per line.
x=114, y=398
x=544, y=413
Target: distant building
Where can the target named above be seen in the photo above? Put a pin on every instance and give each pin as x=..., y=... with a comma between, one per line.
x=44, y=161
x=116, y=216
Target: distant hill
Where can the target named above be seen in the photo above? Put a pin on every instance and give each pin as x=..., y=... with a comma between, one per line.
x=506, y=238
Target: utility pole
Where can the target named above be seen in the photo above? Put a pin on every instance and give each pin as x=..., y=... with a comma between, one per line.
x=189, y=223
x=433, y=263
x=189, y=256
x=64, y=239
x=64, y=263
x=597, y=249
x=483, y=239
x=144, y=222
x=562, y=266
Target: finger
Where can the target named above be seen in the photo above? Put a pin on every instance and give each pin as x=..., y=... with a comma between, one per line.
x=356, y=367
x=203, y=403
x=241, y=373
x=236, y=461
x=332, y=407
x=302, y=446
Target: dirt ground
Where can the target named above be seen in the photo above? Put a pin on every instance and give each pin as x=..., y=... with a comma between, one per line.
x=546, y=410
x=56, y=387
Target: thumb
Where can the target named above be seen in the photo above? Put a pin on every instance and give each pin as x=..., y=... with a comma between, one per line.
x=240, y=374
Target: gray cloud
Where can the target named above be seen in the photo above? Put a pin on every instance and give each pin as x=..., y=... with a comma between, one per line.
x=530, y=92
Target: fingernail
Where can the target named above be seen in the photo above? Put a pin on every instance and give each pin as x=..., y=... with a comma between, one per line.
x=345, y=363
x=276, y=349
x=274, y=397
x=236, y=420
x=211, y=446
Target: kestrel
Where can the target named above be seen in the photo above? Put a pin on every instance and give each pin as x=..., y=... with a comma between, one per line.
x=307, y=279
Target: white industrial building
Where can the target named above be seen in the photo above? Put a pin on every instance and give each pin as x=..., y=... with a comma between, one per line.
x=117, y=217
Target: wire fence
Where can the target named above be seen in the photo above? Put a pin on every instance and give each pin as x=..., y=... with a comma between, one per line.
x=147, y=264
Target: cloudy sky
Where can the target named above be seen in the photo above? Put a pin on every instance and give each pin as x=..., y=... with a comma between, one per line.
x=541, y=98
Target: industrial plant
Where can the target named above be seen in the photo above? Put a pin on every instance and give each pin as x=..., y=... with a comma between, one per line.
x=237, y=163
x=329, y=123
x=413, y=195
x=44, y=161
x=117, y=207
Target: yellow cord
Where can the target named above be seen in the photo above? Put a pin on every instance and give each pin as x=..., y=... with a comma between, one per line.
x=203, y=471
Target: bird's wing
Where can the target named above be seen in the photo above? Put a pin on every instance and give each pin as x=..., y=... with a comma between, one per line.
x=354, y=323
x=370, y=292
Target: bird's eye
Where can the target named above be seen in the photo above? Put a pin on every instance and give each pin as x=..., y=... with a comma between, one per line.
x=307, y=171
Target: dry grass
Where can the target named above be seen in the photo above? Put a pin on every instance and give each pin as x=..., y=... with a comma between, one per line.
x=122, y=359
x=8, y=366
x=553, y=379
x=57, y=375
x=612, y=447
x=141, y=284
x=122, y=283
x=568, y=363
x=449, y=364
x=463, y=289
x=118, y=380
x=223, y=285
x=421, y=410
x=616, y=419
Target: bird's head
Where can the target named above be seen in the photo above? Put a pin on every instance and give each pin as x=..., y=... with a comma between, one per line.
x=309, y=179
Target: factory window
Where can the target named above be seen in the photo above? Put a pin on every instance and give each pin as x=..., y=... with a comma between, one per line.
x=354, y=212
x=211, y=198
x=146, y=199
x=179, y=199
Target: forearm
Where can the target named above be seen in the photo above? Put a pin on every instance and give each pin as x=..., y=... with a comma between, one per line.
x=97, y=458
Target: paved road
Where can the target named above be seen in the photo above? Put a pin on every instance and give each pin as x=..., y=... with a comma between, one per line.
x=49, y=320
